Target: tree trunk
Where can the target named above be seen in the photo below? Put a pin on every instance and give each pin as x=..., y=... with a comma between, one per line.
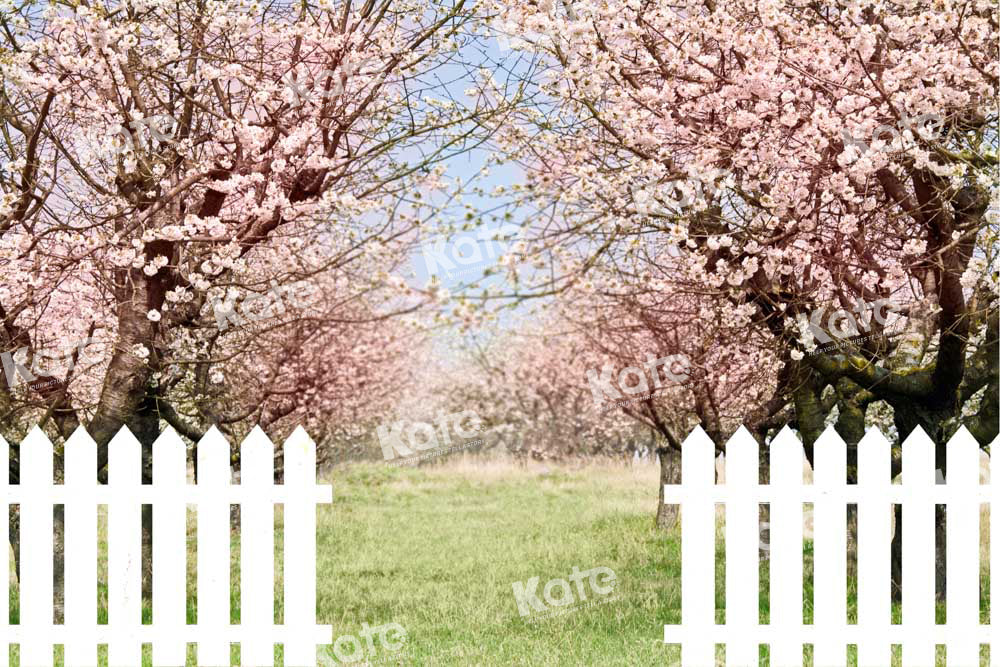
x=940, y=543
x=14, y=536
x=852, y=540
x=896, y=569
x=670, y=473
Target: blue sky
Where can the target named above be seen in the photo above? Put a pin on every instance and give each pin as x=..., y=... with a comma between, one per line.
x=465, y=248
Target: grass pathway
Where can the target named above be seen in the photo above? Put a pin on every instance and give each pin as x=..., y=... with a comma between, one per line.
x=438, y=549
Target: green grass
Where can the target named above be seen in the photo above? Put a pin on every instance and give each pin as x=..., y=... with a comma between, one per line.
x=437, y=550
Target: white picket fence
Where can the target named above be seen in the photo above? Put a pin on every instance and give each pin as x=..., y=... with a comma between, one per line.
x=874, y=634
x=170, y=494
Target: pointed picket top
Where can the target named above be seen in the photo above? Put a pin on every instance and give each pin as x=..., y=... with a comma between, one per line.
x=300, y=458
x=124, y=458
x=81, y=458
x=786, y=459
x=874, y=459
x=213, y=432
x=36, y=458
x=829, y=432
x=918, y=460
x=35, y=432
x=918, y=431
x=299, y=432
x=169, y=459
x=697, y=433
x=830, y=460
x=963, y=431
x=741, y=435
x=35, y=436
x=742, y=459
x=698, y=459
x=256, y=445
x=963, y=460
x=740, y=432
x=256, y=458
x=300, y=437
x=79, y=433
x=213, y=458
x=785, y=438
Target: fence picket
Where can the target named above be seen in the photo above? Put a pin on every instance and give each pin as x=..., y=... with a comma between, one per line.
x=124, y=495
x=36, y=550
x=829, y=546
x=80, y=608
x=874, y=634
x=5, y=584
x=786, y=548
x=257, y=552
x=918, y=547
x=874, y=539
x=124, y=550
x=742, y=633
x=742, y=547
x=213, y=550
x=698, y=548
x=994, y=495
x=963, y=545
x=169, y=548
x=300, y=530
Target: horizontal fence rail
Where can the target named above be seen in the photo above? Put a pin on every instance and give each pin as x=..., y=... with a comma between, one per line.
x=922, y=487
x=170, y=495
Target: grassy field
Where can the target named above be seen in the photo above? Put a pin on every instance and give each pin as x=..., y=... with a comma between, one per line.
x=437, y=549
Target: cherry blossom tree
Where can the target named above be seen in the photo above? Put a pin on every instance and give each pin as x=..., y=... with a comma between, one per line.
x=166, y=162
x=798, y=158
x=529, y=381
x=673, y=363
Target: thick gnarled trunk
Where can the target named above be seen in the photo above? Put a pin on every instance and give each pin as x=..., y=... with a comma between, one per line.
x=670, y=473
